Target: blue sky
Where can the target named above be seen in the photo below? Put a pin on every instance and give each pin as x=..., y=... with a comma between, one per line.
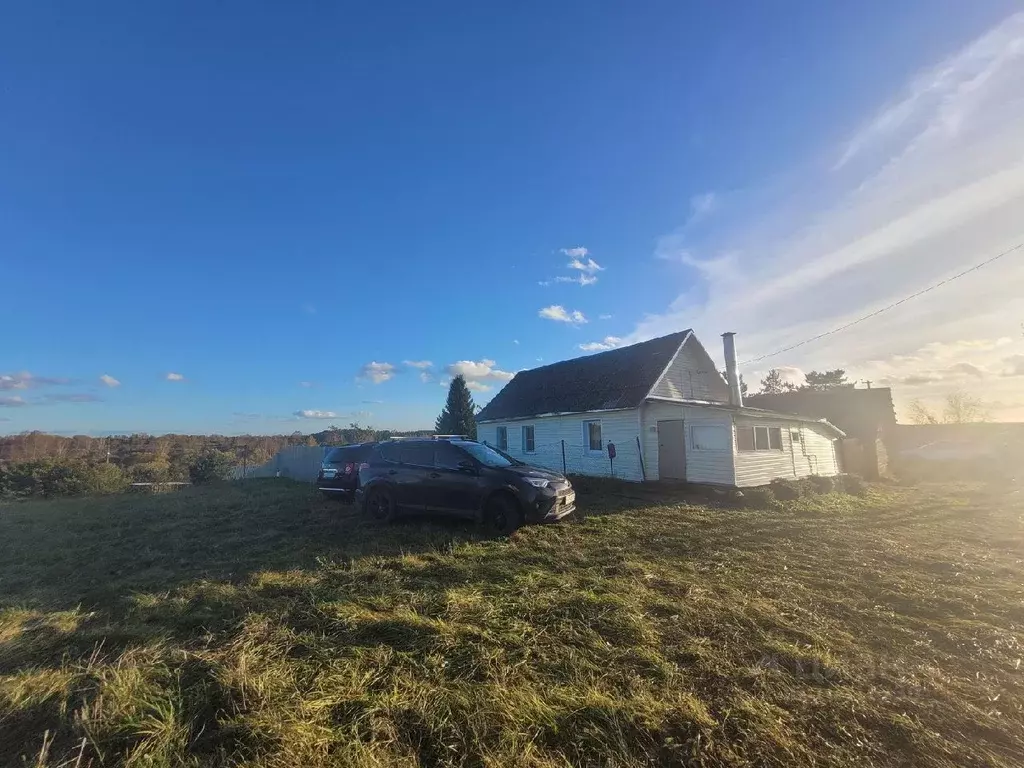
x=286, y=207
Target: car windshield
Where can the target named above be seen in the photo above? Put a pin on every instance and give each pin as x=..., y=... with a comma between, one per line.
x=486, y=455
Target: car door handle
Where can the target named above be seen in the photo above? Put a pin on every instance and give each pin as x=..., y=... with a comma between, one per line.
x=435, y=474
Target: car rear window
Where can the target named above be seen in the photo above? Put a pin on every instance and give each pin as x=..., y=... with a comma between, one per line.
x=346, y=453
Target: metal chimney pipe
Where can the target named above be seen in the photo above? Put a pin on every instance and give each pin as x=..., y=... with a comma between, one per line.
x=731, y=370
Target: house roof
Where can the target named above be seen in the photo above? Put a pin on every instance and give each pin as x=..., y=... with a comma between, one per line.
x=619, y=378
x=858, y=412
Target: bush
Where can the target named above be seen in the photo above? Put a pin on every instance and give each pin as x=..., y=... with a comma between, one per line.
x=786, y=490
x=854, y=485
x=821, y=484
x=758, y=498
x=210, y=467
x=51, y=478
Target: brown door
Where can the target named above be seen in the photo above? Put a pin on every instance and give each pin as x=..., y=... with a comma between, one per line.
x=671, y=450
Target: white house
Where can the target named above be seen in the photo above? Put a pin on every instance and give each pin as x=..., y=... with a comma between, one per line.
x=666, y=409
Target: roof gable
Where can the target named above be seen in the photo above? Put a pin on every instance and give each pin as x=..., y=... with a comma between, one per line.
x=619, y=378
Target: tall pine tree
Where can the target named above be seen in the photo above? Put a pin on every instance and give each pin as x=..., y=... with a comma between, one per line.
x=457, y=416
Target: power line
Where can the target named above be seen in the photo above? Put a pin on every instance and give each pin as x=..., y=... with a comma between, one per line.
x=895, y=304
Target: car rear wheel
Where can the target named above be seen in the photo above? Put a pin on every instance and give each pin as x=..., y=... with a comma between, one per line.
x=502, y=515
x=380, y=504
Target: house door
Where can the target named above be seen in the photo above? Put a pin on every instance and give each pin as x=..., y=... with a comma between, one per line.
x=671, y=450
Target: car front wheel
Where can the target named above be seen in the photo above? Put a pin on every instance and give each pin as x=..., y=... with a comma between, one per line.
x=502, y=515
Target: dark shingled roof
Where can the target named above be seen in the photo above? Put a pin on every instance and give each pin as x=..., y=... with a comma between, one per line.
x=619, y=378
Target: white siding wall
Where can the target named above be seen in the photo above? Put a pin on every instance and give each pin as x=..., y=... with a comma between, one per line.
x=819, y=452
x=816, y=457
x=692, y=376
x=619, y=427
x=701, y=466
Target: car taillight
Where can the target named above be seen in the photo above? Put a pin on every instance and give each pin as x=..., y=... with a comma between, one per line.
x=349, y=467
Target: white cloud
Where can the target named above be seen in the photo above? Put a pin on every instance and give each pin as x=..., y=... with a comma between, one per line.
x=109, y=380
x=426, y=377
x=579, y=252
x=605, y=317
x=15, y=401
x=558, y=312
x=581, y=279
x=788, y=373
x=589, y=266
x=609, y=342
x=478, y=386
x=376, y=372
x=175, y=377
x=516, y=342
x=478, y=370
x=308, y=414
x=419, y=363
x=932, y=184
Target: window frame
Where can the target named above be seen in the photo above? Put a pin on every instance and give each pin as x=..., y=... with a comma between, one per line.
x=723, y=428
x=533, y=438
x=499, y=433
x=768, y=432
x=586, y=437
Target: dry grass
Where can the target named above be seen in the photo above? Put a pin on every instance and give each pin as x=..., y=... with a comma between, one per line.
x=256, y=625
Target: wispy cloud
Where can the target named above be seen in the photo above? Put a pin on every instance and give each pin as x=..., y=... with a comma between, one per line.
x=580, y=279
x=559, y=313
x=13, y=401
x=589, y=266
x=109, y=380
x=516, y=342
x=609, y=342
x=376, y=372
x=307, y=384
x=25, y=380
x=312, y=414
x=70, y=397
x=426, y=377
x=175, y=377
x=931, y=183
x=419, y=364
x=309, y=309
x=702, y=206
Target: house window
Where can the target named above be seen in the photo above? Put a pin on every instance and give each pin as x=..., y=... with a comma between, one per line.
x=759, y=438
x=709, y=438
x=502, y=438
x=592, y=435
x=528, y=443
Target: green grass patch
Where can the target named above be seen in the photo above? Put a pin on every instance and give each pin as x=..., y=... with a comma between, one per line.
x=259, y=625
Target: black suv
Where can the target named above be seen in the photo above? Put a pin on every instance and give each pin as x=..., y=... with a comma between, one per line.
x=461, y=477
x=339, y=472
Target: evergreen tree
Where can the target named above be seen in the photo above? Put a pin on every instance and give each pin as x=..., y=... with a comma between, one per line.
x=457, y=416
x=820, y=381
x=774, y=384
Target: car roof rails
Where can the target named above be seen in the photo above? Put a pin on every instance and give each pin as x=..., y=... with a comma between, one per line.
x=449, y=437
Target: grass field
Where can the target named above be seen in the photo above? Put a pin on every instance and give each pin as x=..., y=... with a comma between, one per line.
x=257, y=625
